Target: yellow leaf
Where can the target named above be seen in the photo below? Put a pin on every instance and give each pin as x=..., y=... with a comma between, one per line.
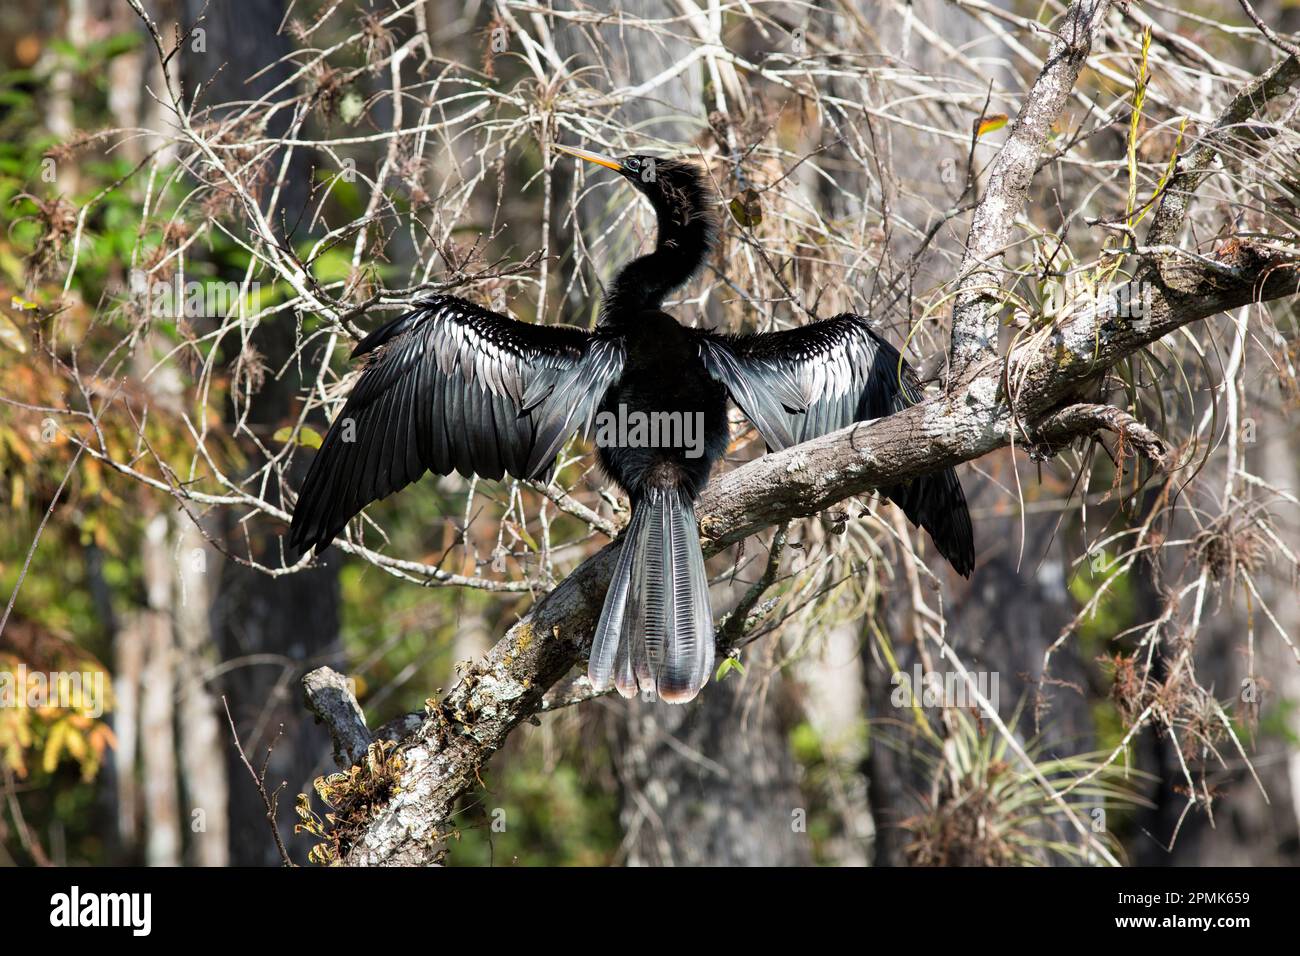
x=75, y=744
x=527, y=538
x=92, y=478
x=988, y=124
x=307, y=437
x=53, y=746
x=16, y=445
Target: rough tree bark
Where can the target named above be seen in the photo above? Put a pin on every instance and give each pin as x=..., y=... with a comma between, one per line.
x=979, y=302
x=1003, y=620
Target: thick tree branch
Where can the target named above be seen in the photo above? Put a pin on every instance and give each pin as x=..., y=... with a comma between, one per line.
x=979, y=301
x=328, y=695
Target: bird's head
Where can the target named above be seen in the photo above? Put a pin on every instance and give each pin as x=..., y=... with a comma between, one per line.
x=676, y=188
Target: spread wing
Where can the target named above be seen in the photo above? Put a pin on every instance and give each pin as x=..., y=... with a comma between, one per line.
x=449, y=387
x=800, y=383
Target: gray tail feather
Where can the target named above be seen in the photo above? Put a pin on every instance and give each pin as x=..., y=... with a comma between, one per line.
x=656, y=628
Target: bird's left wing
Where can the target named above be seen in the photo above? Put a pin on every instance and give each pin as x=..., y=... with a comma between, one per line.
x=452, y=386
x=800, y=383
x=797, y=384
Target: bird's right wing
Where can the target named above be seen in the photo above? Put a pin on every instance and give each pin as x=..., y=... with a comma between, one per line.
x=449, y=387
x=801, y=383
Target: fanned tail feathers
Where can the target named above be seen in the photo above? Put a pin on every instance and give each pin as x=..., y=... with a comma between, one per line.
x=655, y=632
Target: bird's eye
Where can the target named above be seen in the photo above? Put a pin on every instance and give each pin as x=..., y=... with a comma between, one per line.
x=633, y=163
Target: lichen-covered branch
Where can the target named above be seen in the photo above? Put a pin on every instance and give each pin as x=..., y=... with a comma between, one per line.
x=979, y=280
x=979, y=413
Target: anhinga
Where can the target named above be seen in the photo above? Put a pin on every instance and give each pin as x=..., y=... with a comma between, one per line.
x=452, y=386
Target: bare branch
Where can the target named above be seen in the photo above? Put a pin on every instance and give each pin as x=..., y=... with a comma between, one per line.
x=1194, y=165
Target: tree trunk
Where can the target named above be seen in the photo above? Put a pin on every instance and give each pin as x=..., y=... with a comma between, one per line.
x=203, y=737
x=833, y=697
x=157, y=702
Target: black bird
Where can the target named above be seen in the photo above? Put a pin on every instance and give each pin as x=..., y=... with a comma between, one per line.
x=452, y=386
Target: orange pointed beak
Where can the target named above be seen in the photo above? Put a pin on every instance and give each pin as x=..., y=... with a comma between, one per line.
x=590, y=157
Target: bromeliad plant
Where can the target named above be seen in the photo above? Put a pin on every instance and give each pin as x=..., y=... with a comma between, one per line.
x=986, y=808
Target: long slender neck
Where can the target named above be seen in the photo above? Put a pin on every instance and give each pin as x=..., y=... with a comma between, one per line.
x=685, y=237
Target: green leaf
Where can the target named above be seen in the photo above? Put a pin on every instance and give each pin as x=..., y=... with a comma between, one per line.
x=728, y=665
x=332, y=265
x=746, y=209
